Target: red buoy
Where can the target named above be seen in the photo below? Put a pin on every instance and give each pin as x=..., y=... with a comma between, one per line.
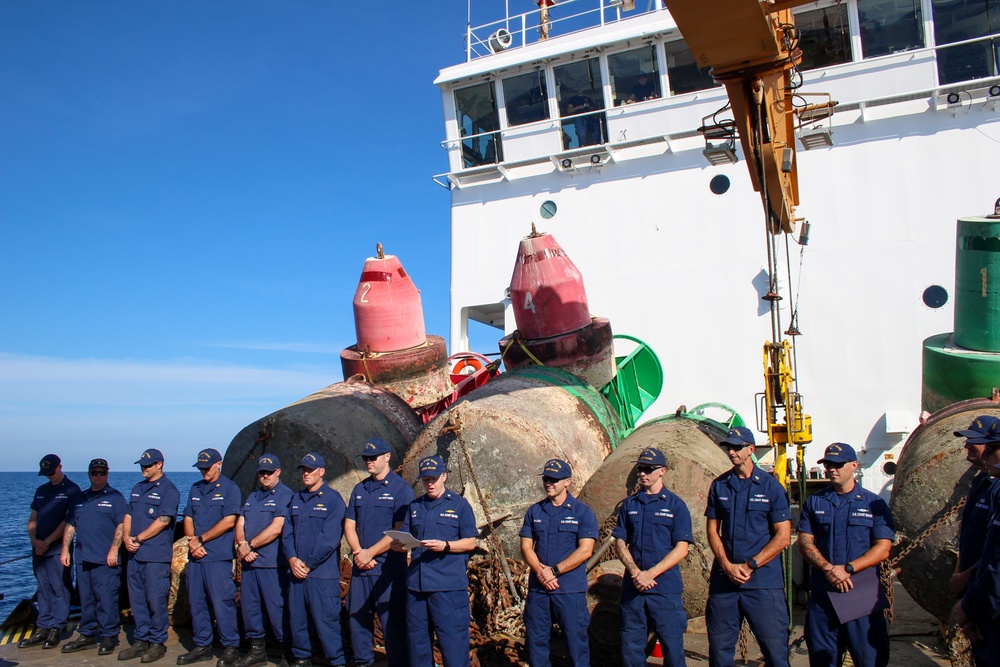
x=546, y=289
x=388, y=315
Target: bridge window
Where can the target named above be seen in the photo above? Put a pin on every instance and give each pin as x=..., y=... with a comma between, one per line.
x=581, y=103
x=683, y=72
x=479, y=125
x=634, y=76
x=890, y=26
x=824, y=36
x=961, y=20
x=525, y=98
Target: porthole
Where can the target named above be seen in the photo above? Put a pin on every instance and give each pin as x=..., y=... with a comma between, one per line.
x=935, y=296
x=548, y=209
x=719, y=184
x=889, y=468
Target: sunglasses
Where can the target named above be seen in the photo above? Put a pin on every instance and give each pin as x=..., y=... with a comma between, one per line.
x=265, y=473
x=733, y=448
x=549, y=480
x=645, y=470
x=835, y=466
x=97, y=473
x=370, y=458
x=145, y=467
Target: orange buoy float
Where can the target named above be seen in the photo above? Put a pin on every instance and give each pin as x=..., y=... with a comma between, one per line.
x=554, y=326
x=393, y=349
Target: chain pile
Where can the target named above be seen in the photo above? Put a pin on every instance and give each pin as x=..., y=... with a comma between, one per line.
x=497, y=616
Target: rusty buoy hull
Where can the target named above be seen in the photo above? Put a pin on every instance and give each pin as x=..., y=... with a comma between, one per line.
x=932, y=476
x=694, y=459
x=335, y=422
x=497, y=439
x=419, y=375
x=588, y=352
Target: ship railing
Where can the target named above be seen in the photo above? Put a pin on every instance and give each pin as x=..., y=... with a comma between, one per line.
x=968, y=59
x=559, y=18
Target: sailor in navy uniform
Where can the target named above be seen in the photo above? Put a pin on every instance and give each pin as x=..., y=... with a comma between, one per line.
x=149, y=539
x=265, y=569
x=311, y=542
x=844, y=530
x=978, y=612
x=209, y=522
x=651, y=538
x=437, y=580
x=978, y=504
x=97, y=520
x=378, y=574
x=748, y=524
x=49, y=507
x=557, y=538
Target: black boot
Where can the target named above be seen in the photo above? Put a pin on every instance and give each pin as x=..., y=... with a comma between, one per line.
x=78, y=644
x=137, y=648
x=197, y=654
x=256, y=656
x=36, y=638
x=230, y=657
x=53, y=639
x=153, y=653
x=107, y=646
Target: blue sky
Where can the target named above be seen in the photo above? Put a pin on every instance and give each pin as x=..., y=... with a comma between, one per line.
x=188, y=191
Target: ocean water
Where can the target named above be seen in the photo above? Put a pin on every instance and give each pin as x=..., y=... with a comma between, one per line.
x=16, y=579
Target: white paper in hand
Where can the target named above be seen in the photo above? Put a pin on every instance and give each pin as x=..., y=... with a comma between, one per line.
x=409, y=541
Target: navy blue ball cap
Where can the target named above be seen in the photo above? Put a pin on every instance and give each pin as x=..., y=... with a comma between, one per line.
x=312, y=460
x=47, y=466
x=978, y=431
x=557, y=469
x=652, y=457
x=740, y=436
x=150, y=456
x=432, y=466
x=207, y=458
x=98, y=464
x=375, y=447
x=839, y=452
x=268, y=462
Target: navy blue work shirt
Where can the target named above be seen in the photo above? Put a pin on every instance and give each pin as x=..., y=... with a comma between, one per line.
x=447, y=518
x=208, y=504
x=845, y=526
x=747, y=510
x=148, y=502
x=556, y=532
x=259, y=511
x=377, y=506
x=53, y=503
x=96, y=516
x=981, y=602
x=975, y=520
x=312, y=531
x=652, y=525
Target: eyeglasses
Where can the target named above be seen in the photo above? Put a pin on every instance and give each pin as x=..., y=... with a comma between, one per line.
x=98, y=473
x=147, y=466
x=645, y=470
x=549, y=480
x=265, y=473
x=370, y=458
x=835, y=466
x=733, y=448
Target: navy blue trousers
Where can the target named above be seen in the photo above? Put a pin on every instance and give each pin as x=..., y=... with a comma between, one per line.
x=263, y=591
x=660, y=613
x=445, y=613
x=765, y=609
x=53, y=595
x=867, y=638
x=316, y=600
x=212, y=584
x=148, y=590
x=383, y=596
x=569, y=610
x=98, y=586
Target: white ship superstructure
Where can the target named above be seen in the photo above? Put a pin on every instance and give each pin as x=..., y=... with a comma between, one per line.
x=593, y=135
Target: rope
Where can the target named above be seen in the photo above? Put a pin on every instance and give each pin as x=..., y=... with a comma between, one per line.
x=14, y=560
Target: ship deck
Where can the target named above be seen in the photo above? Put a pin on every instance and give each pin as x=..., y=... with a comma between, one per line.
x=914, y=634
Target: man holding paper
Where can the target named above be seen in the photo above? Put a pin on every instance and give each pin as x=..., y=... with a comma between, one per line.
x=844, y=533
x=378, y=575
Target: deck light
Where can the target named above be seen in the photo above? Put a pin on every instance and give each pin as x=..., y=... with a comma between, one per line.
x=567, y=163
x=720, y=154
x=820, y=137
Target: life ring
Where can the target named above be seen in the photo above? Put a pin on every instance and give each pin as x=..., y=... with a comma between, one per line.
x=467, y=366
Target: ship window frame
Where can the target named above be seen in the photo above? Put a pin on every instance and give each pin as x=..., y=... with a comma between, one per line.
x=656, y=79
x=577, y=122
x=966, y=57
x=476, y=143
x=871, y=48
x=848, y=12
x=543, y=103
x=702, y=72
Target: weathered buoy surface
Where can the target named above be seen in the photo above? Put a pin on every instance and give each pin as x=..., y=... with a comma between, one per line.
x=334, y=422
x=694, y=459
x=588, y=353
x=932, y=476
x=497, y=439
x=546, y=289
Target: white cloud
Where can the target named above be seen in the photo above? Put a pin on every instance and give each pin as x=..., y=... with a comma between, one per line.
x=81, y=408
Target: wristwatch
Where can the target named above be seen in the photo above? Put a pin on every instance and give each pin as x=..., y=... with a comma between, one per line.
x=555, y=570
x=849, y=568
x=752, y=564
